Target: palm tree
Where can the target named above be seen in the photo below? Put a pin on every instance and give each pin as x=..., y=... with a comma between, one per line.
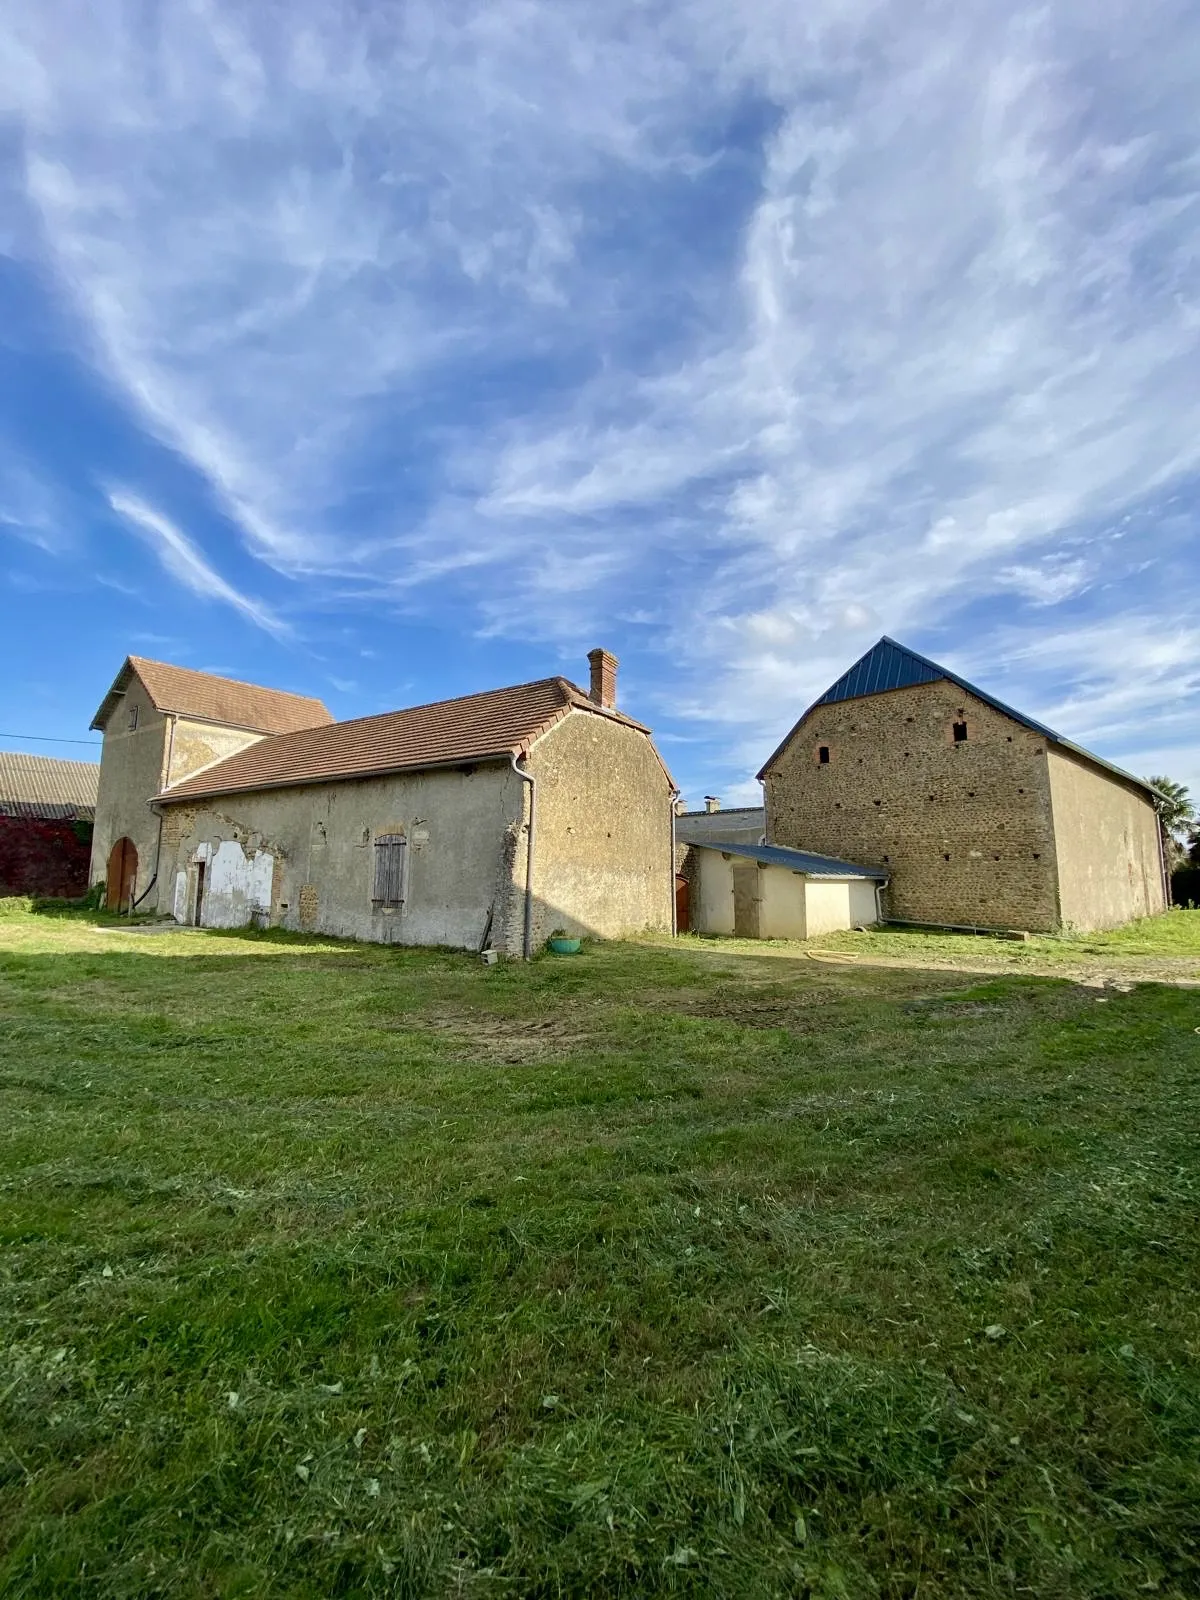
x=1177, y=814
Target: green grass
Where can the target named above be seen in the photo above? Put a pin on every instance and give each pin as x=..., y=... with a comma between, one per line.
x=1158, y=945
x=334, y=1270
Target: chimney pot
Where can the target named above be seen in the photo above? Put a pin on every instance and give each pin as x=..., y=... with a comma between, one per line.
x=712, y=802
x=604, y=678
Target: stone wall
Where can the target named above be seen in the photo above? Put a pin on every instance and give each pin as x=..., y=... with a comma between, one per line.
x=602, y=862
x=964, y=830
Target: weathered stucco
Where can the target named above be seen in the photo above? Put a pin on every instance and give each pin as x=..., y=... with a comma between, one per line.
x=1108, y=847
x=602, y=851
x=320, y=838
x=135, y=764
x=602, y=862
x=132, y=765
x=199, y=744
x=964, y=830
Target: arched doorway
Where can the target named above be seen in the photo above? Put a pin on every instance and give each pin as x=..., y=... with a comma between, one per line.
x=122, y=875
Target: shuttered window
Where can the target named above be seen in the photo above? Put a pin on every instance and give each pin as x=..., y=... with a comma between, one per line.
x=389, y=887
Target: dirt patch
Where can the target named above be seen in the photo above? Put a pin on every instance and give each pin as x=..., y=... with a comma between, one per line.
x=509, y=1041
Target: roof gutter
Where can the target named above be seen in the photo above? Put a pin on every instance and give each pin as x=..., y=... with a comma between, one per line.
x=528, y=777
x=169, y=797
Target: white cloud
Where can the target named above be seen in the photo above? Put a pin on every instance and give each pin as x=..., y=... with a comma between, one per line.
x=185, y=563
x=932, y=333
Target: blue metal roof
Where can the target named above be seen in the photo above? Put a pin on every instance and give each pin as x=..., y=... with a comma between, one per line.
x=777, y=855
x=891, y=665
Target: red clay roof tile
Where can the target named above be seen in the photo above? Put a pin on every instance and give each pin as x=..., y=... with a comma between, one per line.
x=495, y=724
x=208, y=698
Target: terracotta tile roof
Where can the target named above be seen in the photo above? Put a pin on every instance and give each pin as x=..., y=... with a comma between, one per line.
x=498, y=723
x=210, y=699
x=42, y=786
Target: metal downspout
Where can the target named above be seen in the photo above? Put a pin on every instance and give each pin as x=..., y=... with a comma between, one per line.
x=528, y=777
x=166, y=778
x=674, y=870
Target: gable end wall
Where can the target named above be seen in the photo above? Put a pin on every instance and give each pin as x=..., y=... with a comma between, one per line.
x=899, y=794
x=602, y=860
x=131, y=773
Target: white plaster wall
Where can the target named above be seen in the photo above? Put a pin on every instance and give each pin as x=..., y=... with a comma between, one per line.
x=712, y=910
x=180, y=907
x=237, y=886
x=782, y=913
x=864, y=907
x=827, y=906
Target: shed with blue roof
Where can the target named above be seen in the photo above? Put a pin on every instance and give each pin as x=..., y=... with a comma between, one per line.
x=763, y=891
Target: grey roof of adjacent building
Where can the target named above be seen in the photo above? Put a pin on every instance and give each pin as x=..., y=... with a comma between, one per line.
x=47, y=788
x=777, y=855
x=747, y=824
x=891, y=665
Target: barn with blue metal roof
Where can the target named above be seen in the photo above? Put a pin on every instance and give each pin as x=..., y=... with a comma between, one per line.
x=980, y=815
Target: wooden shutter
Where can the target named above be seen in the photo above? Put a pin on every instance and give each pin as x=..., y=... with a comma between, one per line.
x=389, y=869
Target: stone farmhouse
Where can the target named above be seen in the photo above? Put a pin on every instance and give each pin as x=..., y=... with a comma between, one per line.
x=979, y=815
x=47, y=808
x=161, y=723
x=485, y=821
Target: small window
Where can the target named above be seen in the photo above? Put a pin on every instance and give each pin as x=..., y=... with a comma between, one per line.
x=960, y=733
x=391, y=851
x=823, y=754
x=132, y=719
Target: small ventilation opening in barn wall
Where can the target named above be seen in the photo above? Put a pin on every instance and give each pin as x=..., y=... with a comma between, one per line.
x=823, y=754
x=960, y=732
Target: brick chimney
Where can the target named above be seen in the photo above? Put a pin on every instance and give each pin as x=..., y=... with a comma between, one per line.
x=604, y=678
x=712, y=802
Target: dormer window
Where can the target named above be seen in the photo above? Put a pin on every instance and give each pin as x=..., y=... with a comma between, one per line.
x=132, y=718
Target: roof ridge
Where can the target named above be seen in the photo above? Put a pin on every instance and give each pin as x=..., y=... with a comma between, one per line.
x=403, y=711
x=221, y=677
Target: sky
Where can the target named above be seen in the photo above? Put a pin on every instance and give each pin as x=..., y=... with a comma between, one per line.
x=387, y=352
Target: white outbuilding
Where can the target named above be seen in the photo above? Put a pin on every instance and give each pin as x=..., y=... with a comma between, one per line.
x=764, y=891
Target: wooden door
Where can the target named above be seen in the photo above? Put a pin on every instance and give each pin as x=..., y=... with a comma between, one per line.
x=746, y=899
x=122, y=875
x=683, y=905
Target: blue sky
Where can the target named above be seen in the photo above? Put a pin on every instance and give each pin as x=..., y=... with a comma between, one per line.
x=390, y=352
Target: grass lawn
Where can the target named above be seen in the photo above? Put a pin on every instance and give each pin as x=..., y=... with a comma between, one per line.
x=335, y=1270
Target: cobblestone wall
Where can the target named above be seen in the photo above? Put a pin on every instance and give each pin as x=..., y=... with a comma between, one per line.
x=964, y=827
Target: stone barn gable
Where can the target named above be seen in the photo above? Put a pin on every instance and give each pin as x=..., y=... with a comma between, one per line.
x=982, y=816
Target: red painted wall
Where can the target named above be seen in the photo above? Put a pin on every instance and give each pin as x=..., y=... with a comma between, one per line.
x=43, y=858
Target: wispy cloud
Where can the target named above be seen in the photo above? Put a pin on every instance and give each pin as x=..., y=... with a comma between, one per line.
x=746, y=332
x=184, y=562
